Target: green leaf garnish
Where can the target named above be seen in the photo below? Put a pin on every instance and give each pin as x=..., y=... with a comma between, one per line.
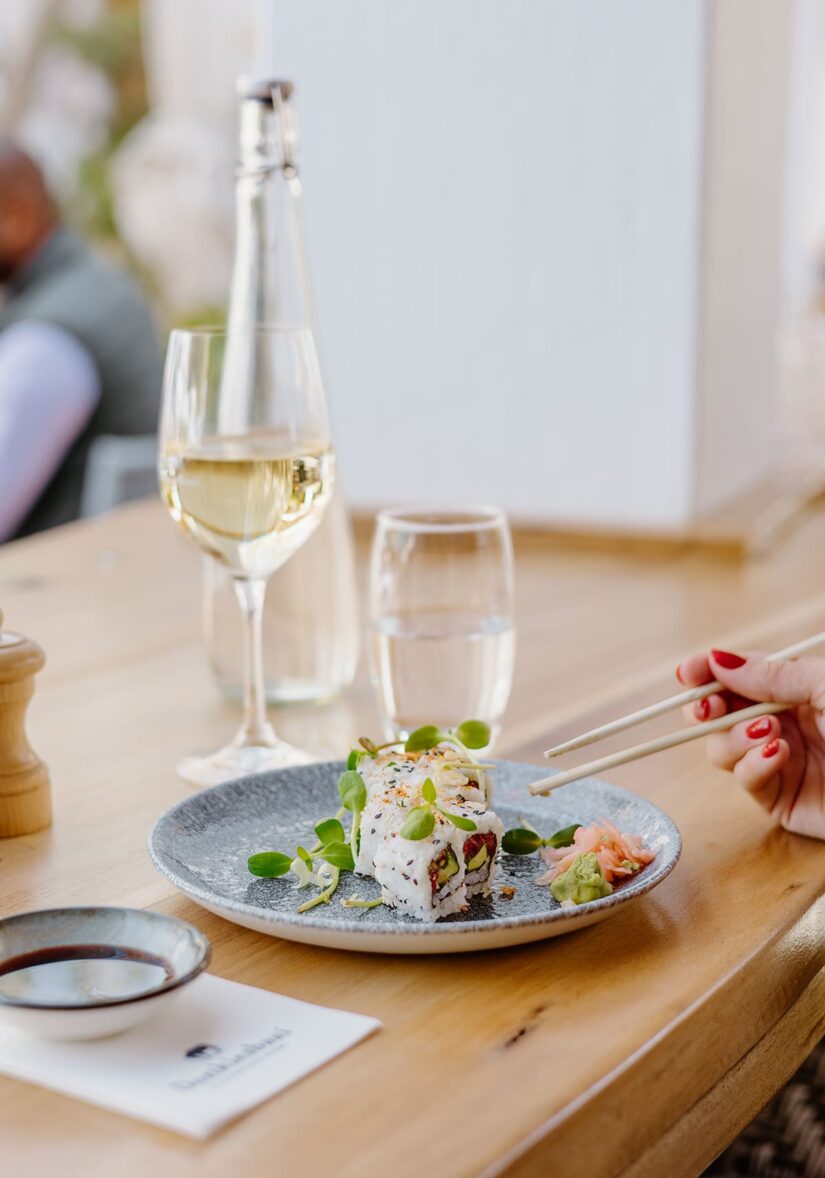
x=419, y=824
x=352, y=791
x=339, y=854
x=423, y=738
x=521, y=841
x=422, y=819
x=562, y=838
x=473, y=734
x=524, y=840
x=303, y=853
x=353, y=794
x=458, y=820
x=330, y=831
x=269, y=864
x=352, y=759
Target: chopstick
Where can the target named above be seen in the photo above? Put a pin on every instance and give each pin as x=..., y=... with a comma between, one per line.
x=672, y=702
x=547, y=784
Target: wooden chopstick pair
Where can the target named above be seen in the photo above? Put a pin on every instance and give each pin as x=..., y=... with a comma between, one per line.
x=672, y=739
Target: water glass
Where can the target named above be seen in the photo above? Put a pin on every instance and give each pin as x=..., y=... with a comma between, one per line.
x=442, y=636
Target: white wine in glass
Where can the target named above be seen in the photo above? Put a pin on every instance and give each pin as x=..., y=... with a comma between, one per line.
x=248, y=502
x=246, y=471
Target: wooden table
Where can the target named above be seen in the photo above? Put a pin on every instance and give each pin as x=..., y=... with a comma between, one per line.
x=636, y=1047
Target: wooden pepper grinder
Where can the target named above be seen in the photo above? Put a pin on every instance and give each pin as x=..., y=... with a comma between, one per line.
x=25, y=790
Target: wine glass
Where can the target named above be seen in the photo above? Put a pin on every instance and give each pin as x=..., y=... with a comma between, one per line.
x=441, y=618
x=246, y=470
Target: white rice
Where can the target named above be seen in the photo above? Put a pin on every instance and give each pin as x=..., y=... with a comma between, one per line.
x=402, y=866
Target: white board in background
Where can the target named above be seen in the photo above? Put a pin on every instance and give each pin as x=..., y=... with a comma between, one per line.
x=507, y=206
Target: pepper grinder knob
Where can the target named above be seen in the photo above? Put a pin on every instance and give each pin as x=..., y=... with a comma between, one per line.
x=25, y=789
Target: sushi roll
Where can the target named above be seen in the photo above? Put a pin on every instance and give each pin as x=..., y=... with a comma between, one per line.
x=456, y=777
x=423, y=878
x=393, y=782
x=479, y=850
x=432, y=877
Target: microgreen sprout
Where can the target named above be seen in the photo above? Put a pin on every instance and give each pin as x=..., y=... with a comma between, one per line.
x=421, y=819
x=333, y=846
x=423, y=739
x=355, y=902
x=352, y=791
x=470, y=734
x=302, y=870
x=524, y=840
x=338, y=855
x=269, y=864
x=419, y=824
x=327, y=878
x=329, y=831
x=353, y=795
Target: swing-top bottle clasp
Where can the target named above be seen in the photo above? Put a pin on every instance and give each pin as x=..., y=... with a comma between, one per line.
x=268, y=125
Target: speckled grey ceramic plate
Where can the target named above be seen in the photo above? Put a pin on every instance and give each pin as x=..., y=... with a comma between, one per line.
x=203, y=842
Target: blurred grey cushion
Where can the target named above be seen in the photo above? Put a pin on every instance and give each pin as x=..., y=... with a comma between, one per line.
x=117, y=471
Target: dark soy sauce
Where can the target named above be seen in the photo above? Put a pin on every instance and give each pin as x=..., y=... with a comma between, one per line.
x=75, y=975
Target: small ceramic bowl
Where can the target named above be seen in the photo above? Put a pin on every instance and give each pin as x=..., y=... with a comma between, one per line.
x=83, y=973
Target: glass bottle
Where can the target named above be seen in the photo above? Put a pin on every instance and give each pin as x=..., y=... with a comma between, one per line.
x=311, y=623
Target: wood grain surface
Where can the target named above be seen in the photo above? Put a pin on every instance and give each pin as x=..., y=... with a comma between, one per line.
x=607, y=1052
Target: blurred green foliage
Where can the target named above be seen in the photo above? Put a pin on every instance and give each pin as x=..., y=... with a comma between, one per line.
x=113, y=45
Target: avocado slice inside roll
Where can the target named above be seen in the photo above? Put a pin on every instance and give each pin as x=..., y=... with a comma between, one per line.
x=480, y=849
x=442, y=869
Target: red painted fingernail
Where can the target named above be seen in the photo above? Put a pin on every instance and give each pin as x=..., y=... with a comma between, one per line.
x=727, y=660
x=759, y=728
x=701, y=709
x=771, y=748
x=679, y=673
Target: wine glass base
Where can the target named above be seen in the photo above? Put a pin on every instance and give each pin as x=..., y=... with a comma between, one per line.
x=240, y=761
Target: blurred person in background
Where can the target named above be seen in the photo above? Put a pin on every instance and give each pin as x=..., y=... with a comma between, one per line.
x=79, y=354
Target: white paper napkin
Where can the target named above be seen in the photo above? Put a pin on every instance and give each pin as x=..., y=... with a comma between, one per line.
x=218, y=1051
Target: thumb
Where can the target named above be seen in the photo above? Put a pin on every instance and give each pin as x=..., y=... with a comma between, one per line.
x=789, y=681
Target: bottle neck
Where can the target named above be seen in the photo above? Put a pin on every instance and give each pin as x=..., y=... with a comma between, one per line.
x=270, y=280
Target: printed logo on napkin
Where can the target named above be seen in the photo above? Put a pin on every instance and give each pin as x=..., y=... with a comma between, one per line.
x=216, y=1051
x=250, y=1054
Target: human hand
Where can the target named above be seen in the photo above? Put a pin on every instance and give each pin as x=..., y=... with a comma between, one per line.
x=779, y=759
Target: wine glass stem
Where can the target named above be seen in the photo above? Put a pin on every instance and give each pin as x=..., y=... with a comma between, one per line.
x=256, y=729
